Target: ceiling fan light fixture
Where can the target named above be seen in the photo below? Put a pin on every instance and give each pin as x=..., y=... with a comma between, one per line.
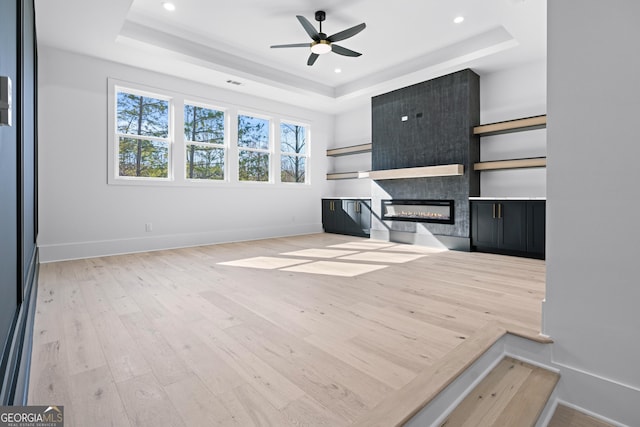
x=321, y=47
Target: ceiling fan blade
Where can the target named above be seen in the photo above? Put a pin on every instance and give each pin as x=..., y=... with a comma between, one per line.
x=312, y=59
x=349, y=32
x=344, y=51
x=308, y=28
x=277, y=46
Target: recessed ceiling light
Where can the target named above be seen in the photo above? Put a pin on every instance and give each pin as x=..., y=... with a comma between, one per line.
x=169, y=6
x=458, y=19
x=338, y=70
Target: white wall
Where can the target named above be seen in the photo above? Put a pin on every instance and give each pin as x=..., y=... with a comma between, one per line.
x=505, y=95
x=81, y=215
x=351, y=128
x=593, y=289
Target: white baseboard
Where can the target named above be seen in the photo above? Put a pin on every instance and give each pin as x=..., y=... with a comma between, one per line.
x=92, y=249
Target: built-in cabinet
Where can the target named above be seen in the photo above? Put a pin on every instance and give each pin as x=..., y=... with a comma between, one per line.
x=514, y=227
x=347, y=216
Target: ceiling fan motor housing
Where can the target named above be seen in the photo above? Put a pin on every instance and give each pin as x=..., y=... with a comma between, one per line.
x=320, y=16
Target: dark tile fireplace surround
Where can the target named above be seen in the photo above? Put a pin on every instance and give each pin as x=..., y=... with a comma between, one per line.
x=427, y=124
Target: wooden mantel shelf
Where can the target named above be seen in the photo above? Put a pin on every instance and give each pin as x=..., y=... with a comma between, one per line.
x=529, y=123
x=420, y=172
x=353, y=149
x=536, y=162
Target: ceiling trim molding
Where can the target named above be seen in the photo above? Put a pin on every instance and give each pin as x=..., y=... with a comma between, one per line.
x=219, y=60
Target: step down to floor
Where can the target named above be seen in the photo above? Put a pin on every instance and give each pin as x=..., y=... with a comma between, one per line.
x=512, y=394
x=568, y=417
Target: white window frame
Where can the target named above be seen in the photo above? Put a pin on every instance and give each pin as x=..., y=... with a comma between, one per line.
x=224, y=146
x=306, y=155
x=269, y=151
x=177, y=143
x=114, y=136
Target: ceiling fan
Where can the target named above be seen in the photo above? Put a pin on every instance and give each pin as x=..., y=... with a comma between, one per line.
x=321, y=43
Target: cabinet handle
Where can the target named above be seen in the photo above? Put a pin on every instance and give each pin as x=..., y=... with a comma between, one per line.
x=357, y=207
x=493, y=206
x=499, y=210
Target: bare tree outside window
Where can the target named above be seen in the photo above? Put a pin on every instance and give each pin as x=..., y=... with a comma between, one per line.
x=293, y=142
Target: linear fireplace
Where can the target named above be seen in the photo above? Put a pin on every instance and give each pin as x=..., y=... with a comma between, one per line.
x=440, y=211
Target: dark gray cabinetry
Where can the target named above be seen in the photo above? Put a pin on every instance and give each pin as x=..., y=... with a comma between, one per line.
x=347, y=216
x=536, y=218
x=509, y=227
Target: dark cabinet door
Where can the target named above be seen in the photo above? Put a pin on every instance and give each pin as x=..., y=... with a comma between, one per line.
x=512, y=217
x=357, y=218
x=509, y=227
x=352, y=217
x=484, y=224
x=332, y=215
x=365, y=216
x=349, y=216
x=536, y=218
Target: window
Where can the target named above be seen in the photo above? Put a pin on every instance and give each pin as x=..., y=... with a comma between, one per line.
x=253, y=148
x=158, y=137
x=293, y=157
x=142, y=135
x=205, y=143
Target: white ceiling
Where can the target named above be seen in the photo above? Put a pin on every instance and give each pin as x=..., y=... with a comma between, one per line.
x=405, y=42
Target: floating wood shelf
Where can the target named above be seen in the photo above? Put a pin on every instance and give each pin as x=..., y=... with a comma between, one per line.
x=348, y=175
x=536, y=162
x=420, y=172
x=529, y=123
x=353, y=149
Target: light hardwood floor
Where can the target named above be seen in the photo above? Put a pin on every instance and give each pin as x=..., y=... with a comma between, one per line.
x=319, y=330
x=514, y=393
x=569, y=417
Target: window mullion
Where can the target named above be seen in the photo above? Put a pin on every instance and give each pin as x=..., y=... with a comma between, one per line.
x=276, y=150
x=233, y=168
x=178, y=145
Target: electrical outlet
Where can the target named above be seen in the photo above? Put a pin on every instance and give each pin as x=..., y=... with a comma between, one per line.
x=148, y=227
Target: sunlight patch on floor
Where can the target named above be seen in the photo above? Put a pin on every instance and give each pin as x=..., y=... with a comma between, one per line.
x=265, y=262
x=382, y=257
x=320, y=253
x=415, y=249
x=363, y=245
x=332, y=268
x=377, y=255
